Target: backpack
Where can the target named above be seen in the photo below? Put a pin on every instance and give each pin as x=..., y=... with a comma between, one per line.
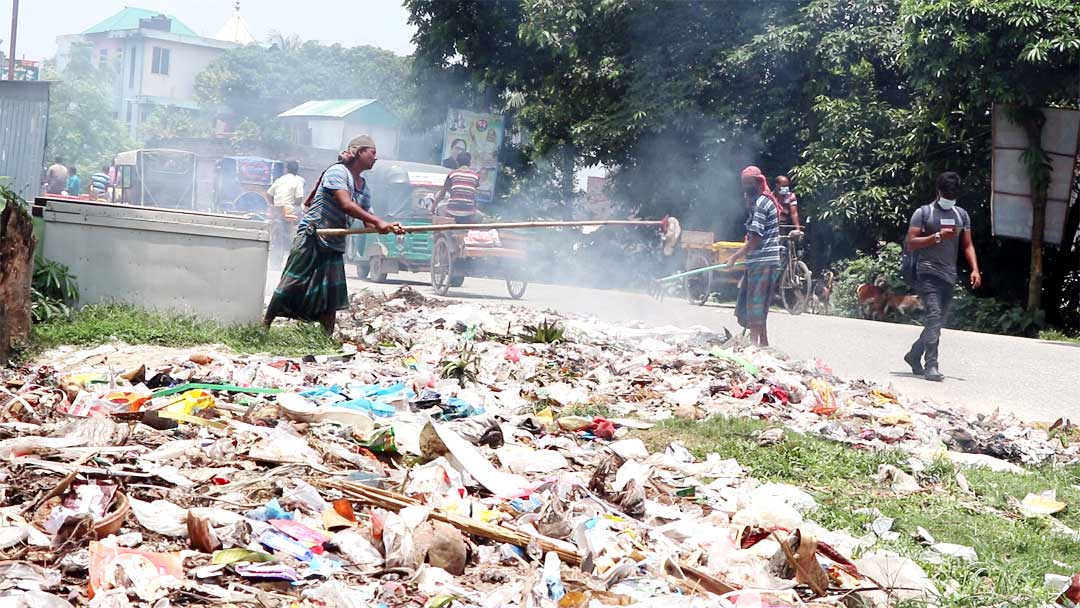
x=909, y=260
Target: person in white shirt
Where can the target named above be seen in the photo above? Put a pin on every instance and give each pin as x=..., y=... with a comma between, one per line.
x=286, y=194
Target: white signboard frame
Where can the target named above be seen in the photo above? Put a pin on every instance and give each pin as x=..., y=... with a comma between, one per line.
x=1010, y=199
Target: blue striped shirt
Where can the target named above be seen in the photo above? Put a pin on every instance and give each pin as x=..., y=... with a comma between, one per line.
x=764, y=221
x=325, y=212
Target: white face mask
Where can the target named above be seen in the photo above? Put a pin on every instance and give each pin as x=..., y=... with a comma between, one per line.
x=946, y=203
x=784, y=190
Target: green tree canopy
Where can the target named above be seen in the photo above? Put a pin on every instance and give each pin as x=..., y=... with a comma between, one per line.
x=256, y=83
x=82, y=129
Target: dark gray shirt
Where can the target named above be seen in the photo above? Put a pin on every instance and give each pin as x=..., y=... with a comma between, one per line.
x=939, y=259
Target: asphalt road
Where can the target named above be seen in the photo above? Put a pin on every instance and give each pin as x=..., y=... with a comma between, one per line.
x=1036, y=380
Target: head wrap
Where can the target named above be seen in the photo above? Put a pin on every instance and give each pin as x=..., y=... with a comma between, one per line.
x=758, y=176
x=360, y=141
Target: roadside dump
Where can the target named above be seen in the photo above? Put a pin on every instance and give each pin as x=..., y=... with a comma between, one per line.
x=448, y=457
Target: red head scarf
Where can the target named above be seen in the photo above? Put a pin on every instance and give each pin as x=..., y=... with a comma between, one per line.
x=756, y=173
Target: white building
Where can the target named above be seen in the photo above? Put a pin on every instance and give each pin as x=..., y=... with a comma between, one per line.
x=154, y=59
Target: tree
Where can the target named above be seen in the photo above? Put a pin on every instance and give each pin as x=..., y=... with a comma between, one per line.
x=1024, y=54
x=82, y=129
x=171, y=122
x=257, y=83
x=863, y=101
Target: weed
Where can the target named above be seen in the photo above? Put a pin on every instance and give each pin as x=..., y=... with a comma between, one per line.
x=465, y=367
x=546, y=332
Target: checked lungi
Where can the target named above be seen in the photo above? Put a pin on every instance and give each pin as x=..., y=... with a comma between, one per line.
x=313, y=281
x=755, y=295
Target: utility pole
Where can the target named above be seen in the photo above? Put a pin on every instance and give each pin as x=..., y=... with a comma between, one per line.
x=14, y=31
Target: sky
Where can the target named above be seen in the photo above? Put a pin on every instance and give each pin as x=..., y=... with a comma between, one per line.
x=380, y=23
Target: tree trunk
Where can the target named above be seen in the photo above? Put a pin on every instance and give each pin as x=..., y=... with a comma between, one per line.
x=1035, y=275
x=1033, y=124
x=16, y=273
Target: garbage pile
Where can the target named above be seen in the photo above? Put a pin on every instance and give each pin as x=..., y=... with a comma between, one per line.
x=445, y=457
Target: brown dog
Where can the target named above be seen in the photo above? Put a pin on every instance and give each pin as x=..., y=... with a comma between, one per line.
x=876, y=303
x=821, y=299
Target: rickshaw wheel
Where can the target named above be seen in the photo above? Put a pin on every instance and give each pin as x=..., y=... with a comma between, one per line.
x=362, y=269
x=457, y=280
x=375, y=271
x=442, y=267
x=698, y=286
x=516, y=287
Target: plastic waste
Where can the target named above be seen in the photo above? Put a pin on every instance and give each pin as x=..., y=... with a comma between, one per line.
x=150, y=576
x=232, y=556
x=896, y=480
x=355, y=547
x=521, y=460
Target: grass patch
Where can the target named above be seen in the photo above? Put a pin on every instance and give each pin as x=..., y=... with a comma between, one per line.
x=1056, y=335
x=588, y=410
x=95, y=325
x=1014, y=552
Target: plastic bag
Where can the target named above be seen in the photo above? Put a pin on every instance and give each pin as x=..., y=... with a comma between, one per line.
x=150, y=576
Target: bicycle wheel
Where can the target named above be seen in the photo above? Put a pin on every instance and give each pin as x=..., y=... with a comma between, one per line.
x=698, y=286
x=795, y=287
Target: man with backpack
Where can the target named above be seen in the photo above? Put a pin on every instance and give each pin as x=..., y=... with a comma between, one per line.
x=936, y=234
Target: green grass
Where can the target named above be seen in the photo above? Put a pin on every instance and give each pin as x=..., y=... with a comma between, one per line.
x=95, y=325
x=1056, y=335
x=1014, y=553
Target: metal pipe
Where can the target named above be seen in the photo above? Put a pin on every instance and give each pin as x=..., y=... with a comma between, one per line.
x=696, y=271
x=14, y=32
x=492, y=226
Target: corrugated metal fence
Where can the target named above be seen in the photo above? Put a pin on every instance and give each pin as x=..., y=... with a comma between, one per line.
x=24, y=119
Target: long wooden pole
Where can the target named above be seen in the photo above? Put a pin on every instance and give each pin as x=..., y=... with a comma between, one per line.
x=496, y=226
x=14, y=33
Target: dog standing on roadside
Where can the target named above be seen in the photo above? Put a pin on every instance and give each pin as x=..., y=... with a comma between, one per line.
x=875, y=302
x=821, y=299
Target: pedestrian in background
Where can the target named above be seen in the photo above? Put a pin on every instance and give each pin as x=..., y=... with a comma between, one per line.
x=74, y=184
x=936, y=234
x=56, y=177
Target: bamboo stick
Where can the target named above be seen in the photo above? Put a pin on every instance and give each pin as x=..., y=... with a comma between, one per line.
x=491, y=226
x=395, y=502
x=388, y=499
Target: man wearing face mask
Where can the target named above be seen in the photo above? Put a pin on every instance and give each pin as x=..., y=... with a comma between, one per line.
x=789, y=203
x=937, y=232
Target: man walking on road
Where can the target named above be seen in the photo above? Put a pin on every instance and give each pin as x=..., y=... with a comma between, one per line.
x=762, y=252
x=935, y=235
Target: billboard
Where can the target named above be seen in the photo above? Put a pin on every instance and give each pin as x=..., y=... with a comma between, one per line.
x=481, y=135
x=1010, y=198
x=24, y=70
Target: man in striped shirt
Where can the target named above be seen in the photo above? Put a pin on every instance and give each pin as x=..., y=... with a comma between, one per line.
x=762, y=253
x=461, y=186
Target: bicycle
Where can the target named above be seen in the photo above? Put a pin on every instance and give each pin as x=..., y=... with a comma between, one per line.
x=796, y=280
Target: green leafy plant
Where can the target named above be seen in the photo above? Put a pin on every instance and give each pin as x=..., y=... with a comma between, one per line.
x=53, y=292
x=465, y=367
x=991, y=315
x=44, y=309
x=546, y=332
x=54, y=280
x=882, y=267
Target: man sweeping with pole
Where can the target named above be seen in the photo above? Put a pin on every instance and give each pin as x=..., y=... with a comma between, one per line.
x=312, y=286
x=762, y=253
